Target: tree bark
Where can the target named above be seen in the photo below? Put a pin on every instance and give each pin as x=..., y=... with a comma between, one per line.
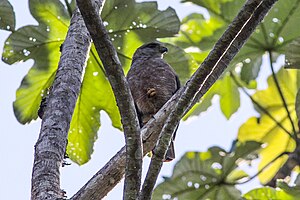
x=116, y=77
x=51, y=145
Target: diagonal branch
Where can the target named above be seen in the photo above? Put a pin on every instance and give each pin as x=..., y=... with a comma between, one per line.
x=243, y=26
x=231, y=41
x=205, y=76
x=125, y=102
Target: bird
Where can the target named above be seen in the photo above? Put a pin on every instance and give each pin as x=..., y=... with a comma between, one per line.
x=152, y=82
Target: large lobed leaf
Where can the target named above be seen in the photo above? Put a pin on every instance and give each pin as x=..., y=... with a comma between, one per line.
x=40, y=43
x=131, y=24
x=140, y=22
x=266, y=130
x=7, y=16
x=206, y=175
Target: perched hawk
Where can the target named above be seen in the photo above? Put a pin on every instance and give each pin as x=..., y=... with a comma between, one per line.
x=152, y=82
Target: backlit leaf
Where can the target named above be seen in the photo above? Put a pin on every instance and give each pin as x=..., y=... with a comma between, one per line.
x=144, y=23
x=266, y=130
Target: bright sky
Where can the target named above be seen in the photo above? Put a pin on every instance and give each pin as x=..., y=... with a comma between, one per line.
x=16, y=149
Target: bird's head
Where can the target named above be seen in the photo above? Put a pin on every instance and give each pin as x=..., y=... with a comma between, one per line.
x=152, y=49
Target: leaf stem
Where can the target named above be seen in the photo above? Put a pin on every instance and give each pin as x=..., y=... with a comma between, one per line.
x=264, y=110
x=282, y=96
x=262, y=169
x=69, y=8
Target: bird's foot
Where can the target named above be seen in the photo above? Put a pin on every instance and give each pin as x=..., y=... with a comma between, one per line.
x=151, y=92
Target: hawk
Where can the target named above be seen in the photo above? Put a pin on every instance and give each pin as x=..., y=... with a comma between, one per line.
x=152, y=82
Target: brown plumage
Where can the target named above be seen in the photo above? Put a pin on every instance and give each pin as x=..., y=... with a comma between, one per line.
x=152, y=82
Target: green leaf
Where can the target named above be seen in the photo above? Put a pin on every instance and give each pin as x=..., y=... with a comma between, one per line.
x=293, y=55
x=204, y=175
x=268, y=193
x=282, y=191
x=140, y=23
x=266, y=130
x=214, y=6
x=229, y=96
x=250, y=70
x=194, y=29
x=183, y=63
x=236, y=175
x=95, y=95
x=7, y=16
x=203, y=104
x=42, y=43
x=276, y=31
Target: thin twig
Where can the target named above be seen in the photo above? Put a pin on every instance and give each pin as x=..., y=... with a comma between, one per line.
x=282, y=97
x=261, y=170
x=68, y=7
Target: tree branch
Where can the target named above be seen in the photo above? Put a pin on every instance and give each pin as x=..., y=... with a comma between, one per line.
x=210, y=70
x=51, y=145
x=115, y=74
x=159, y=153
x=231, y=41
x=233, y=38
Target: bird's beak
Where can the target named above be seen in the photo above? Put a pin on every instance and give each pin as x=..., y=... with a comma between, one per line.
x=163, y=50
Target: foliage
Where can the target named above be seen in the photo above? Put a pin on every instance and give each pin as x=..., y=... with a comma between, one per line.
x=198, y=175
x=198, y=34
x=42, y=43
x=206, y=175
x=276, y=126
x=266, y=130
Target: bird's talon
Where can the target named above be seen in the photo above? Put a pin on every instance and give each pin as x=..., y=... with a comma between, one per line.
x=151, y=92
